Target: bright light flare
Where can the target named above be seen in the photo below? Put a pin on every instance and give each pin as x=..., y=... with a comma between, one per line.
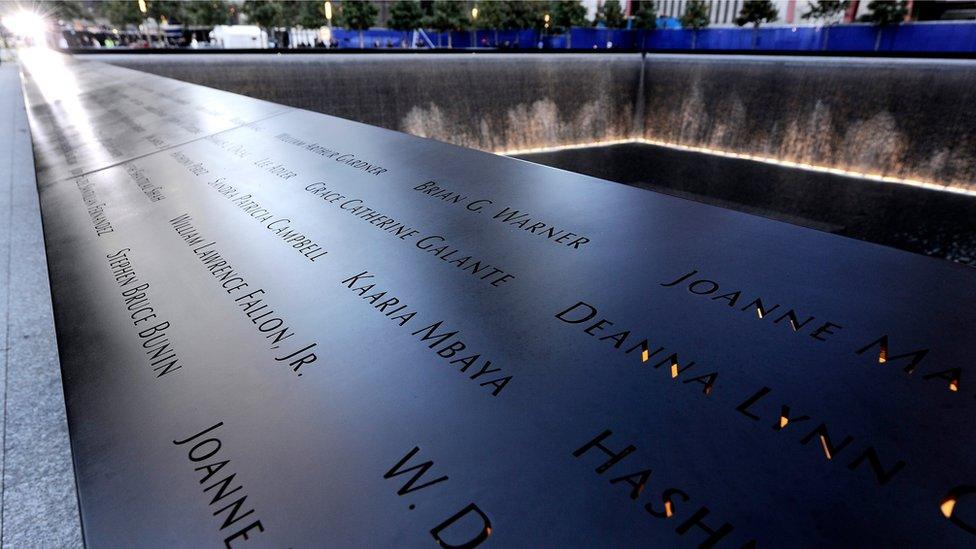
x=755, y=158
x=826, y=447
x=948, y=505
x=27, y=24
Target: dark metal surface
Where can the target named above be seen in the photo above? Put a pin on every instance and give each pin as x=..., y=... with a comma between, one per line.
x=935, y=223
x=323, y=450
x=379, y=51
x=793, y=109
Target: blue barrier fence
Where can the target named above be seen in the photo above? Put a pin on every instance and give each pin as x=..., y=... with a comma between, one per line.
x=921, y=37
x=912, y=37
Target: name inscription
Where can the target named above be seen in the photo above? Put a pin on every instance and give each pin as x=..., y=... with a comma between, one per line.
x=209, y=463
x=506, y=215
x=152, y=331
x=445, y=342
x=272, y=326
x=436, y=245
x=346, y=159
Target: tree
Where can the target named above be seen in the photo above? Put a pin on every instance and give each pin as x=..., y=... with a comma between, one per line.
x=311, y=15
x=64, y=10
x=358, y=15
x=121, y=13
x=825, y=12
x=695, y=17
x=526, y=15
x=405, y=15
x=645, y=17
x=756, y=12
x=567, y=14
x=208, y=12
x=262, y=13
x=599, y=18
x=610, y=14
x=495, y=16
x=883, y=14
x=446, y=16
x=290, y=13
x=271, y=14
x=171, y=11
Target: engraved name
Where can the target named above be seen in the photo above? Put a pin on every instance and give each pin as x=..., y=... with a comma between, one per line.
x=222, y=491
x=152, y=330
x=346, y=159
x=445, y=342
x=254, y=307
x=96, y=209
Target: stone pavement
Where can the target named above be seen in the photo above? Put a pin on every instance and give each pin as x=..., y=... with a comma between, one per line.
x=39, y=501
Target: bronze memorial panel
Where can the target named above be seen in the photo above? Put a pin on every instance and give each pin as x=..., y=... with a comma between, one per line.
x=283, y=329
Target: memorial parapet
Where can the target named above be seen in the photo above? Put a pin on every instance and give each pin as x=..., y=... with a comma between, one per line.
x=281, y=329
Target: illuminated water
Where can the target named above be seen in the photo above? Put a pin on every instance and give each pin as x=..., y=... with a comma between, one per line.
x=903, y=118
x=918, y=220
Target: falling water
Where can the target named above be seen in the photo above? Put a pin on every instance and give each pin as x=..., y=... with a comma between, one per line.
x=902, y=118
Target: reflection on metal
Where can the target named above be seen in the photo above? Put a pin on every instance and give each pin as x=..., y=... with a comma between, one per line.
x=948, y=505
x=322, y=443
x=587, y=145
x=826, y=447
x=59, y=87
x=746, y=156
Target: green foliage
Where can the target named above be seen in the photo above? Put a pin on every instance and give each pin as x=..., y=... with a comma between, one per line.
x=358, y=14
x=172, y=10
x=121, y=12
x=614, y=13
x=646, y=15
x=610, y=14
x=824, y=10
x=885, y=13
x=405, y=15
x=756, y=12
x=288, y=13
x=207, y=12
x=526, y=15
x=263, y=13
x=494, y=15
x=696, y=15
x=566, y=14
x=600, y=16
x=63, y=10
x=447, y=15
x=310, y=15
